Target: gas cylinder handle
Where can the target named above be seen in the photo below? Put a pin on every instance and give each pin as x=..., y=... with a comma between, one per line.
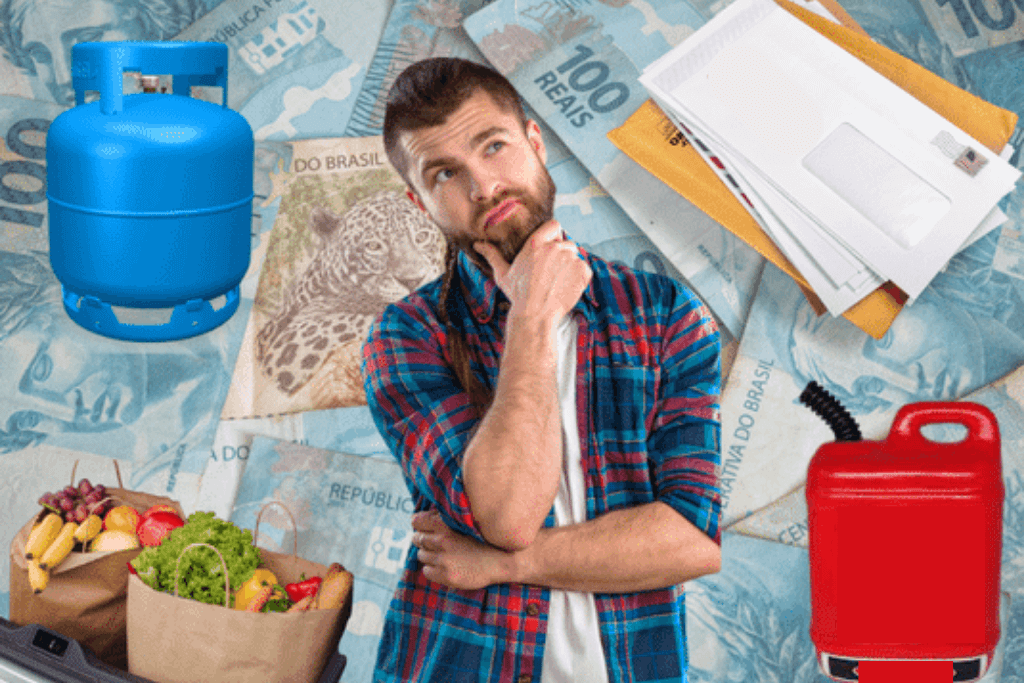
x=101, y=66
x=981, y=424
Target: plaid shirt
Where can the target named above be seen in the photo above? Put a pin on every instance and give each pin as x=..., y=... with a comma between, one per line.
x=649, y=361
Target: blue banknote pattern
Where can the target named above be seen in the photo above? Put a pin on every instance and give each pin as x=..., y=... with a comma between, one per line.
x=415, y=30
x=67, y=395
x=35, y=45
x=295, y=66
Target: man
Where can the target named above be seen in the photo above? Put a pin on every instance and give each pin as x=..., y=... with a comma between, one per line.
x=555, y=415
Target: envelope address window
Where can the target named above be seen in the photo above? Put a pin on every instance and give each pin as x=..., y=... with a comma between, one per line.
x=878, y=185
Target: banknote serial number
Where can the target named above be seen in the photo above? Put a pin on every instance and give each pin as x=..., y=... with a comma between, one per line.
x=586, y=88
x=967, y=12
x=17, y=144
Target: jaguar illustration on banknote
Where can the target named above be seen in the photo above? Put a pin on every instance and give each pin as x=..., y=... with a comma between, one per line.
x=376, y=252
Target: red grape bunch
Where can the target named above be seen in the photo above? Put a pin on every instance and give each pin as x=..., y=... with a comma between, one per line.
x=76, y=504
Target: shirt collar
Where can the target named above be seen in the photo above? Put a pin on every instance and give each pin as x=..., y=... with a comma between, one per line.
x=484, y=295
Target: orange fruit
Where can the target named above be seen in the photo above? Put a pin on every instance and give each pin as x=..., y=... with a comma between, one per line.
x=121, y=518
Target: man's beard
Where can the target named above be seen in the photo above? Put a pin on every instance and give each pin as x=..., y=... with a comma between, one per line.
x=539, y=210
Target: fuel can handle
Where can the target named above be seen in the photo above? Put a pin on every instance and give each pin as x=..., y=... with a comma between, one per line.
x=980, y=422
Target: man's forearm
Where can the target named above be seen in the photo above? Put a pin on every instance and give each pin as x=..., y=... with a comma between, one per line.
x=512, y=464
x=624, y=551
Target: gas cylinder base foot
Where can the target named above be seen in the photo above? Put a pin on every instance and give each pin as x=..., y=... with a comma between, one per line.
x=188, y=319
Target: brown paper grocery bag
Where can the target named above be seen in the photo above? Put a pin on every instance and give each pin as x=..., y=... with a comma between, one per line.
x=179, y=640
x=86, y=596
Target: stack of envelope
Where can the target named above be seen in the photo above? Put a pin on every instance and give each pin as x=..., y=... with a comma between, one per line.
x=856, y=181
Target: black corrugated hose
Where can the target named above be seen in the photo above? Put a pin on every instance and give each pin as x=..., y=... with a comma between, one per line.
x=828, y=408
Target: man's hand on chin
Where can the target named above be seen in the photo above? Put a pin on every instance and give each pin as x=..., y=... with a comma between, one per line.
x=546, y=278
x=456, y=560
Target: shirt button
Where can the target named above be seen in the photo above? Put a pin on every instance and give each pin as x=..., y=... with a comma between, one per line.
x=532, y=610
x=503, y=306
x=525, y=678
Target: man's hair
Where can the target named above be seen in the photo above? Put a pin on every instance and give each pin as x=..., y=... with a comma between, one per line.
x=424, y=95
x=427, y=92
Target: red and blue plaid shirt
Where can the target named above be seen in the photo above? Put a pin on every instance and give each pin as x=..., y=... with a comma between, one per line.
x=648, y=358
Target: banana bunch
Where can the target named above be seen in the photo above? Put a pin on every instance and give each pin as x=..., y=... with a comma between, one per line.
x=51, y=541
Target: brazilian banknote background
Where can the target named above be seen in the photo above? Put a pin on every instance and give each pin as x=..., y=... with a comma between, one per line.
x=187, y=419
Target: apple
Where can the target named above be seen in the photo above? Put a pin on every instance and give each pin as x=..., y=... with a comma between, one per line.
x=158, y=508
x=155, y=525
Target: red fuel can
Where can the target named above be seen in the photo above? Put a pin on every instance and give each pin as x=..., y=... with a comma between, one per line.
x=905, y=544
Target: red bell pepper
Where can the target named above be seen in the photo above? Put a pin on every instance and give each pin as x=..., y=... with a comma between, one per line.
x=300, y=589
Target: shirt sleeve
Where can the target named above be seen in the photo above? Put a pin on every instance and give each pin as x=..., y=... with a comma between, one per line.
x=685, y=441
x=420, y=409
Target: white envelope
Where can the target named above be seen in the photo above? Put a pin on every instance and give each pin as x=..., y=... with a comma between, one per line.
x=839, y=279
x=884, y=174
x=840, y=263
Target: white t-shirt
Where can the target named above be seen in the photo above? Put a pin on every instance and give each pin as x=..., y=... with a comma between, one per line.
x=572, y=651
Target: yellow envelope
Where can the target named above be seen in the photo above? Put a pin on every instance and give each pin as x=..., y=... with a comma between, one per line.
x=653, y=141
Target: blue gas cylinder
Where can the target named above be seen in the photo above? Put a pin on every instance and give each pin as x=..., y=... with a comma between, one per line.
x=149, y=194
